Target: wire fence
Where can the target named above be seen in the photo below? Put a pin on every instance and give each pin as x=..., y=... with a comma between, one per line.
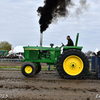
x=11, y=60
x=20, y=60
x=15, y=64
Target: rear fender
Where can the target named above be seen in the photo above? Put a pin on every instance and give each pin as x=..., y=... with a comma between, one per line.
x=72, y=47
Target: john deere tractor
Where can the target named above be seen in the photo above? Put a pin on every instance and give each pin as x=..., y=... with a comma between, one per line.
x=70, y=61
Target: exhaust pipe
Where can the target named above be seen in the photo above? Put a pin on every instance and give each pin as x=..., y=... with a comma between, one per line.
x=41, y=36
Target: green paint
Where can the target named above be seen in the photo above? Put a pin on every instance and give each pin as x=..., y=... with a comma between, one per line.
x=46, y=54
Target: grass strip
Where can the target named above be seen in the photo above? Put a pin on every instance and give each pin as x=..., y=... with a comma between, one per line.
x=19, y=68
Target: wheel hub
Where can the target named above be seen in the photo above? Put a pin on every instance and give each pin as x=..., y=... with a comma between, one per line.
x=28, y=69
x=73, y=65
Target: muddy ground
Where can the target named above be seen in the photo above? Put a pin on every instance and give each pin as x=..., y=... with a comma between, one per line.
x=47, y=85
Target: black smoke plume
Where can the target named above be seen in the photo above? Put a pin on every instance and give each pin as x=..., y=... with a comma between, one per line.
x=83, y=6
x=52, y=10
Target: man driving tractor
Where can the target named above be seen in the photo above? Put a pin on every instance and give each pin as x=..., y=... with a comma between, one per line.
x=70, y=42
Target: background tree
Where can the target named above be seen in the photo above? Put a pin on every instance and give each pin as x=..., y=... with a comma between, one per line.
x=5, y=46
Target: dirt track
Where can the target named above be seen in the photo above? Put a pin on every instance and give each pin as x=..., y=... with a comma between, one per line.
x=47, y=85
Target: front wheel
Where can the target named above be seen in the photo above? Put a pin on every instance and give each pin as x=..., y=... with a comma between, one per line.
x=72, y=64
x=28, y=69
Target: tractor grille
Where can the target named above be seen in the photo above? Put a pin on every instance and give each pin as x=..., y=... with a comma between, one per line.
x=33, y=54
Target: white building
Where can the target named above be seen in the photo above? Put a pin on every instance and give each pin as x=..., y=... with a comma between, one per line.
x=17, y=49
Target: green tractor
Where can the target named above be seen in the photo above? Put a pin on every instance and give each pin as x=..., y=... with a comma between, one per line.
x=71, y=63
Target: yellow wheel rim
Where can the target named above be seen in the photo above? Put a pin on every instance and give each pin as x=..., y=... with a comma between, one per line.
x=28, y=69
x=73, y=65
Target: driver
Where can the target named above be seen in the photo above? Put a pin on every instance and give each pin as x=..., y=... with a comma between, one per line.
x=70, y=42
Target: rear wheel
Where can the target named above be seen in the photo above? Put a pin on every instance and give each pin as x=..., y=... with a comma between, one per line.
x=72, y=64
x=28, y=69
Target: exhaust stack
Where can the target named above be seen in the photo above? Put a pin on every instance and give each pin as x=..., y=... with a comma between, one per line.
x=41, y=36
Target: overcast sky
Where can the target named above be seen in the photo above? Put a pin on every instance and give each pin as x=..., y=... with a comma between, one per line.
x=19, y=25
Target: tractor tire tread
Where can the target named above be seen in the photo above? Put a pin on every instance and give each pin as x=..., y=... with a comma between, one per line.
x=67, y=53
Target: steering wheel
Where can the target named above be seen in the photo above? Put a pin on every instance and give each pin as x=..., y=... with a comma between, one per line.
x=62, y=44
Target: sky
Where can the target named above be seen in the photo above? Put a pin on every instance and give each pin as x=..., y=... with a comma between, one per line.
x=19, y=25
